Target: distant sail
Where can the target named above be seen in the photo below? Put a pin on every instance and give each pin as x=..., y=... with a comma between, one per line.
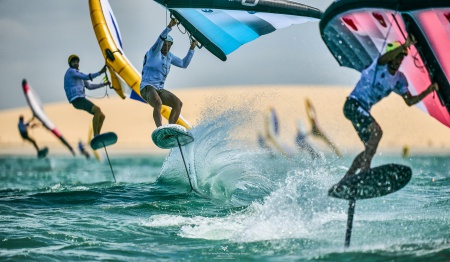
x=120, y=68
x=316, y=130
x=38, y=112
x=271, y=130
x=224, y=26
x=356, y=32
x=98, y=156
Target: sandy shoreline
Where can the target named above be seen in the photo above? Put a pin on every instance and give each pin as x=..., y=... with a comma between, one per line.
x=131, y=120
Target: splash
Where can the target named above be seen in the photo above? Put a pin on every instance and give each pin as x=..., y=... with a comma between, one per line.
x=220, y=163
x=298, y=207
x=284, y=198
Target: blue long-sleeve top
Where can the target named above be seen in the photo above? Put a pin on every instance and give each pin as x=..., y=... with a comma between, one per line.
x=75, y=82
x=23, y=127
x=157, y=66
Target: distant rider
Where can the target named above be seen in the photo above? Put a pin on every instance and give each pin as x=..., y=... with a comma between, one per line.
x=74, y=84
x=157, y=62
x=23, y=129
x=376, y=82
x=83, y=149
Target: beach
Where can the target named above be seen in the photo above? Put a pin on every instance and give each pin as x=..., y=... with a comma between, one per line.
x=133, y=123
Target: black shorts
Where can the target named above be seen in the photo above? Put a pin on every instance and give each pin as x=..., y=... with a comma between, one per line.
x=145, y=92
x=83, y=104
x=360, y=118
x=24, y=135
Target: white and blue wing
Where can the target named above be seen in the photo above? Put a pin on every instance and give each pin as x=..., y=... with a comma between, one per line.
x=224, y=26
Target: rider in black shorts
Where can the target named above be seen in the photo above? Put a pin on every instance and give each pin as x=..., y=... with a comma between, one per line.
x=377, y=81
x=74, y=84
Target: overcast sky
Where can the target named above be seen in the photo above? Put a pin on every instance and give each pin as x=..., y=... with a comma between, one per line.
x=36, y=38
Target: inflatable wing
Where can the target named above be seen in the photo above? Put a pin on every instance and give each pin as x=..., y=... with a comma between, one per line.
x=120, y=68
x=38, y=112
x=356, y=32
x=223, y=26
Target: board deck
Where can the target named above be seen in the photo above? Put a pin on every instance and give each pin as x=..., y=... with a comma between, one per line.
x=103, y=140
x=168, y=136
x=376, y=182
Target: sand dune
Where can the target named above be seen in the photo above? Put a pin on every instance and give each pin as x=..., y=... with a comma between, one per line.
x=133, y=124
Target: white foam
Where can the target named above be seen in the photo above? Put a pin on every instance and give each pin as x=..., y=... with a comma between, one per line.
x=297, y=209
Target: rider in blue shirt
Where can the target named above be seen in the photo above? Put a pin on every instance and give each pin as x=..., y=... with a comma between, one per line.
x=376, y=82
x=23, y=130
x=157, y=62
x=74, y=84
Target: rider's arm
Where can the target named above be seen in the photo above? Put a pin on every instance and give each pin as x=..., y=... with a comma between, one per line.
x=391, y=55
x=156, y=47
x=411, y=100
x=79, y=75
x=91, y=86
x=183, y=63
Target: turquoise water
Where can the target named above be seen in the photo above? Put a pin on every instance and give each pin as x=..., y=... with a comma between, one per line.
x=253, y=206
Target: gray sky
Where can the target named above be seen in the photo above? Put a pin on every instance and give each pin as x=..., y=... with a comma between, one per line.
x=36, y=38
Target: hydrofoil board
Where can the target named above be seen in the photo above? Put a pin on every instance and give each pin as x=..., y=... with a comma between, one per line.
x=43, y=152
x=376, y=182
x=103, y=140
x=168, y=136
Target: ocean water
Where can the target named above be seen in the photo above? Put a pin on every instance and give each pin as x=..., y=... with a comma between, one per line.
x=251, y=205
